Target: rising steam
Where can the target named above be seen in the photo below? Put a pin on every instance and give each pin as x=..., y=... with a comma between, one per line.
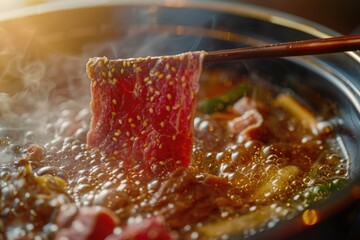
x=48, y=94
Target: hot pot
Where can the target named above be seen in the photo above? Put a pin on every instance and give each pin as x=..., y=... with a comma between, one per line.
x=79, y=30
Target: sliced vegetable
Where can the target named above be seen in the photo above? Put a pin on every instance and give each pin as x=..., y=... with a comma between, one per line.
x=143, y=109
x=249, y=221
x=48, y=180
x=276, y=184
x=221, y=102
x=288, y=103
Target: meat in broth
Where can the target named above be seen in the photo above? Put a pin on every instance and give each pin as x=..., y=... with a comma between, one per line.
x=259, y=154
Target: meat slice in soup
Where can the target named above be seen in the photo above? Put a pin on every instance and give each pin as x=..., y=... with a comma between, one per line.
x=85, y=222
x=143, y=109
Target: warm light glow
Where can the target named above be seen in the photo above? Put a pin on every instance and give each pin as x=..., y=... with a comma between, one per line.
x=310, y=217
x=356, y=192
x=175, y=3
x=7, y=5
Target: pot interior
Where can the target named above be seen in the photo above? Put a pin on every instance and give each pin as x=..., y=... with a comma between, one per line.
x=60, y=41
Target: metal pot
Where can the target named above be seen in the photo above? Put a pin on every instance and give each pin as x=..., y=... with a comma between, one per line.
x=134, y=28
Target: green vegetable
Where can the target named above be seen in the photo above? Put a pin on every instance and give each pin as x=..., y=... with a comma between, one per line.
x=319, y=191
x=221, y=102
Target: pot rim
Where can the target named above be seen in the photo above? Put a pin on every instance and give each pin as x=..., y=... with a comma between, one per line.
x=267, y=14
x=248, y=10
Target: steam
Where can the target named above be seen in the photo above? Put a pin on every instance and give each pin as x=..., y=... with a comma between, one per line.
x=138, y=44
x=35, y=90
x=46, y=95
x=32, y=75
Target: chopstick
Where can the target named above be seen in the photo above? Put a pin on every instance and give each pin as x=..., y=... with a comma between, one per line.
x=287, y=49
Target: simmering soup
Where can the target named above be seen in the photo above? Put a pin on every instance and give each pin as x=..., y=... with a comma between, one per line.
x=259, y=154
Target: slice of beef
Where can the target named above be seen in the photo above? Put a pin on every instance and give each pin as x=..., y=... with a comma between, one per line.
x=143, y=109
x=85, y=223
x=185, y=198
x=246, y=123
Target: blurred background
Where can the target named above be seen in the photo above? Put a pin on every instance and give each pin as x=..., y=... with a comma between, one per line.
x=340, y=15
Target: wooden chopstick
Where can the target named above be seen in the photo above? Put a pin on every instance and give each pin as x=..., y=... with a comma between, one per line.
x=287, y=49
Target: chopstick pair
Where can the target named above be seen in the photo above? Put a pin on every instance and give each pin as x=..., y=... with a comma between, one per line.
x=287, y=49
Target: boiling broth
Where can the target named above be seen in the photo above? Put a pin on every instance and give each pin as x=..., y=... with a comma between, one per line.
x=241, y=179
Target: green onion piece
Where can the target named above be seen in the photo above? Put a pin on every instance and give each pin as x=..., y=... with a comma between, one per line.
x=221, y=102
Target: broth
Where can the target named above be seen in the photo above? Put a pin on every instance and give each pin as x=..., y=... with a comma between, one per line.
x=254, y=163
